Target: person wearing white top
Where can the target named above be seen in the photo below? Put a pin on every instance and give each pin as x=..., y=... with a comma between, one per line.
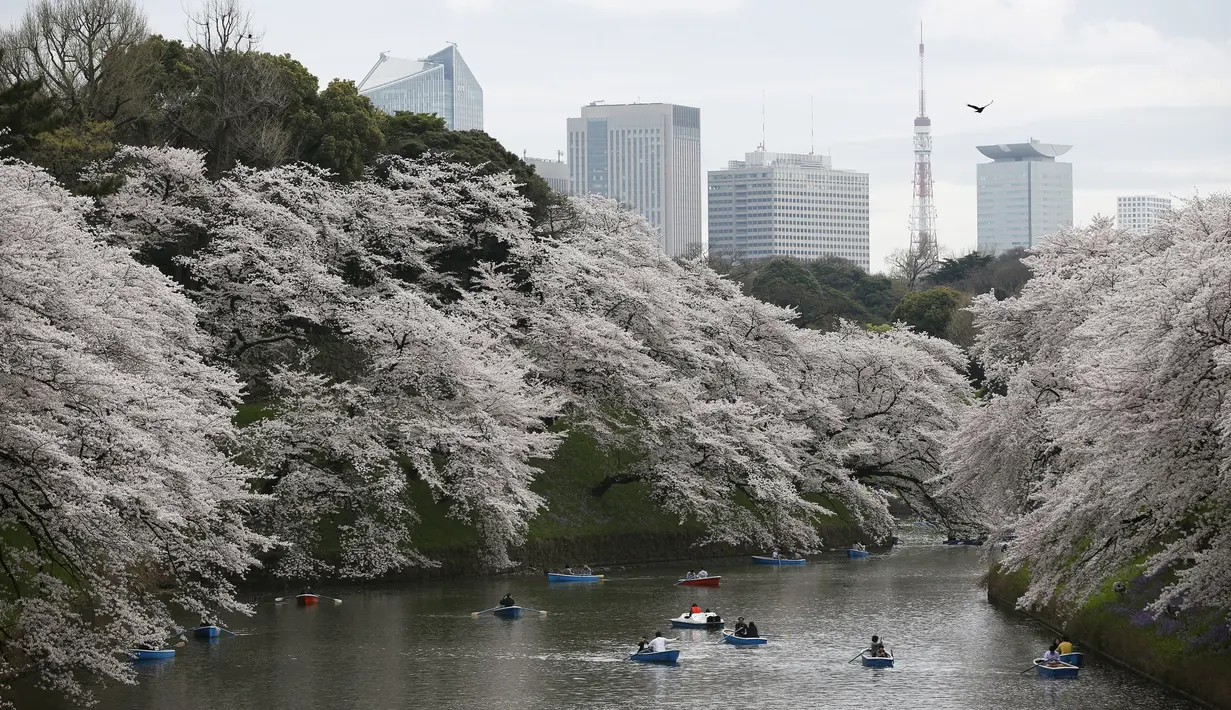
x=658, y=644
x=702, y=574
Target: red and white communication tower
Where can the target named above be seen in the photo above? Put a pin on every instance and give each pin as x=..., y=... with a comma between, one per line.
x=923, y=209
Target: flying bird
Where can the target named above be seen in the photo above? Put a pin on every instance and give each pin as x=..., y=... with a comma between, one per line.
x=979, y=109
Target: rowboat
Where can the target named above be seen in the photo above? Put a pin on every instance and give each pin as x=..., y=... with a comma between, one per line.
x=1076, y=658
x=150, y=654
x=507, y=612
x=206, y=632
x=307, y=599
x=667, y=657
x=704, y=620
x=734, y=640
x=559, y=577
x=700, y=582
x=1063, y=670
x=877, y=661
x=857, y=553
x=762, y=560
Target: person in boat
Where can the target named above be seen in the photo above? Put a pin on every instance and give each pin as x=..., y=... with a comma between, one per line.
x=568, y=569
x=741, y=629
x=694, y=610
x=585, y=569
x=858, y=547
x=690, y=575
x=752, y=632
x=306, y=590
x=702, y=574
x=775, y=554
x=658, y=644
x=1065, y=646
x=877, y=648
x=642, y=644
x=1050, y=657
x=508, y=600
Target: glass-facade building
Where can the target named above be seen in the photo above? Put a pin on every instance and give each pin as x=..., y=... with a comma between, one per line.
x=788, y=204
x=441, y=84
x=646, y=156
x=1024, y=195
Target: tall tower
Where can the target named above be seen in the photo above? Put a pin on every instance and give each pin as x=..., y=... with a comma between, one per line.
x=923, y=210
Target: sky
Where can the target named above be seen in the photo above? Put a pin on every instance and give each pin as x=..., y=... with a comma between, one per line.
x=1140, y=88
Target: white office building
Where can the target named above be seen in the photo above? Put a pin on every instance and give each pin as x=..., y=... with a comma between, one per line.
x=440, y=83
x=555, y=172
x=1141, y=213
x=1024, y=195
x=788, y=204
x=646, y=156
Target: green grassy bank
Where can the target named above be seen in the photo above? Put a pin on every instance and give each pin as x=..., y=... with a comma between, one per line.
x=622, y=526
x=1181, y=651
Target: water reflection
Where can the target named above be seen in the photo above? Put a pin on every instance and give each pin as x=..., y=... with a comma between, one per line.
x=418, y=646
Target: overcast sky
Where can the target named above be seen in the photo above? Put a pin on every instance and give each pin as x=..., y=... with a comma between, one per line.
x=1140, y=88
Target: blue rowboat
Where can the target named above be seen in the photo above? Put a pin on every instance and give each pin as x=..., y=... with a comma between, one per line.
x=698, y=621
x=857, y=553
x=762, y=560
x=667, y=657
x=877, y=661
x=734, y=640
x=206, y=632
x=1076, y=658
x=150, y=654
x=555, y=577
x=507, y=612
x=1063, y=670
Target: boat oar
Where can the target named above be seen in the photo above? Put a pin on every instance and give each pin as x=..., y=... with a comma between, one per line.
x=1036, y=665
x=228, y=631
x=335, y=601
x=476, y=613
x=858, y=655
x=537, y=611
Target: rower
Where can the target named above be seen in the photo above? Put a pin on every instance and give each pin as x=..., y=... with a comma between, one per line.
x=877, y=648
x=585, y=569
x=642, y=644
x=508, y=600
x=658, y=644
x=741, y=629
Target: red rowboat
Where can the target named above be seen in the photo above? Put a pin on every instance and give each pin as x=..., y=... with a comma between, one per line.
x=307, y=599
x=700, y=582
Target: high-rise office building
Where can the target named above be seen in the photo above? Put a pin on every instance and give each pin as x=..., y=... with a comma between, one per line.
x=555, y=172
x=441, y=84
x=1024, y=195
x=1141, y=213
x=646, y=156
x=788, y=204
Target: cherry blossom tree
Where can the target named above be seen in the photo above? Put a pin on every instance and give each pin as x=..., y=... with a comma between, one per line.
x=1108, y=445
x=735, y=418
x=329, y=299
x=120, y=504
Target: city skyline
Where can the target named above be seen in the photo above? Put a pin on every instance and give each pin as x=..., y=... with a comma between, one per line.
x=1141, y=87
